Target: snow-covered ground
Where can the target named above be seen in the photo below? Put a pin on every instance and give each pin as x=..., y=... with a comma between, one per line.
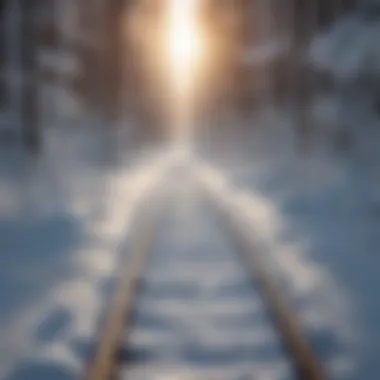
x=63, y=222
x=315, y=217
x=199, y=315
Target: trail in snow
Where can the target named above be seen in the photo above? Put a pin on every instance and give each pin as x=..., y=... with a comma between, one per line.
x=315, y=217
x=199, y=315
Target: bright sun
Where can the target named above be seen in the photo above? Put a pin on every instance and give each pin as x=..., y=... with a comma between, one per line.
x=185, y=42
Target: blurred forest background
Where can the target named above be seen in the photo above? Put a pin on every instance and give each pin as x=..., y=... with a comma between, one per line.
x=98, y=62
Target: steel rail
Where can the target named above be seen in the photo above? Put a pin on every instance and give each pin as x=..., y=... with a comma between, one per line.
x=106, y=359
x=305, y=362
x=300, y=352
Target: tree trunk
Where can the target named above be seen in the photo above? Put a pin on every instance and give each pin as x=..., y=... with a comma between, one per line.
x=29, y=101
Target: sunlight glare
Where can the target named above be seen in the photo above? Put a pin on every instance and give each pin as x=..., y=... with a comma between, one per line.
x=184, y=41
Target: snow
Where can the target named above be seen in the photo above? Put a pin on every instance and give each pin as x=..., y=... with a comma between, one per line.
x=320, y=302
x=63, y=220
x=66, y=219
x=314, y=217
x=349, y=49
x=199, y=317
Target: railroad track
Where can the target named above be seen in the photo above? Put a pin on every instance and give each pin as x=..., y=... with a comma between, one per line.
x=108, y=359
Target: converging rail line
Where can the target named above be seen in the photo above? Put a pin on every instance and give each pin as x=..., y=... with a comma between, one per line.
x=107, y=359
